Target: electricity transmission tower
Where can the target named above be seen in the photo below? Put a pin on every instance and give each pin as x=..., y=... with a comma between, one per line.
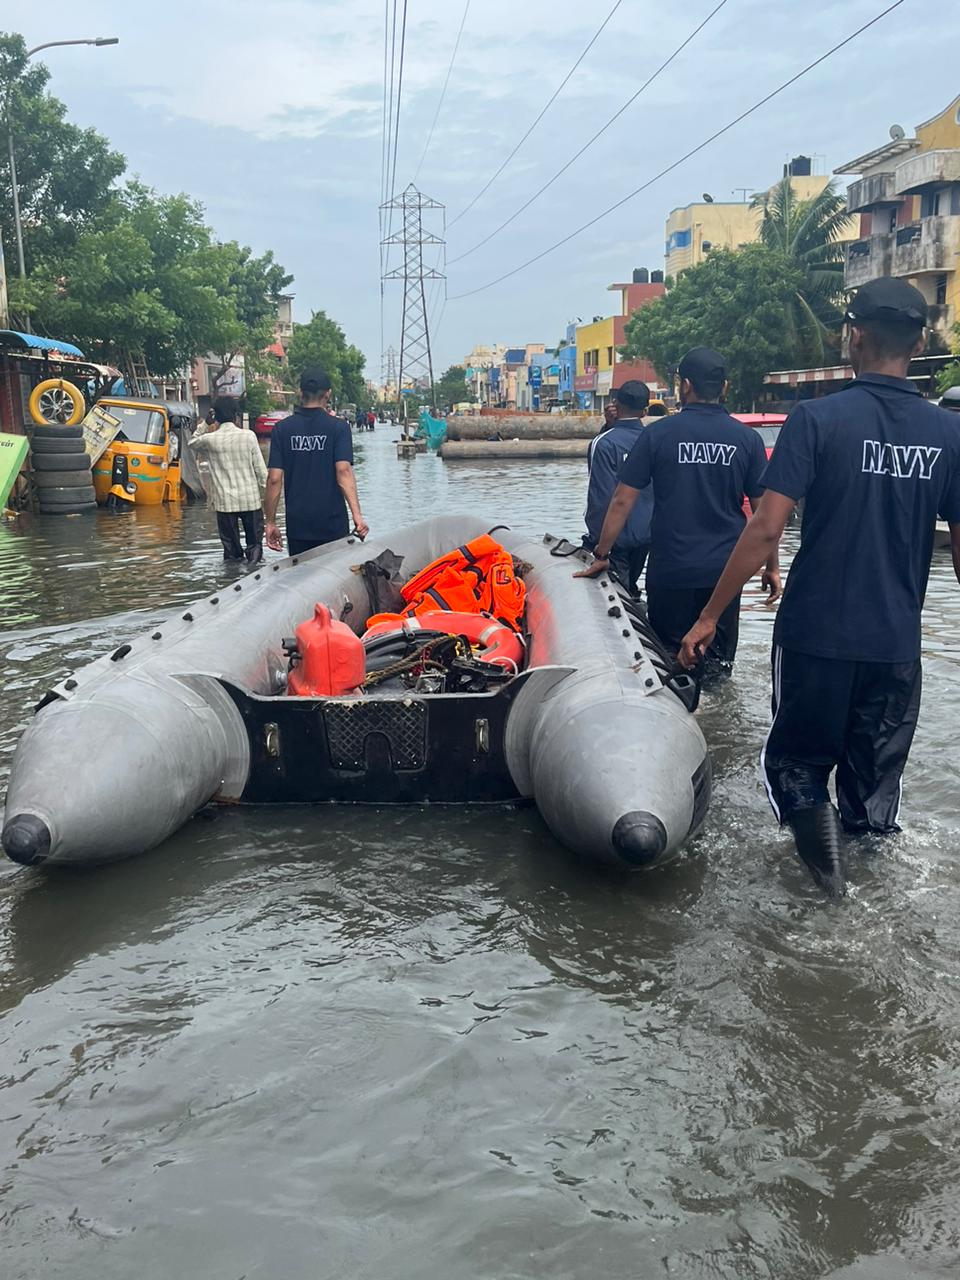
x=416, y=361
x=388, y=368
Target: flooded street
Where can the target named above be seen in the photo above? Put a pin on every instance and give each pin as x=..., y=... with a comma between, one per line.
x=296, y=1044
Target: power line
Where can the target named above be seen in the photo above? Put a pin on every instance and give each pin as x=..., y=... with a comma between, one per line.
x=396, y=125
x=388, y=135
x=676, y=163
x=387, y=98
x=443, y=91
x=383, y=160
x=587, y=145
x=551, y=101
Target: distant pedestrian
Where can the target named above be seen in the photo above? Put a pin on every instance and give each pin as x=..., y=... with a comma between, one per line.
x=371, y=420
x=876, y=464
x=311, y=460
x=238, y=477
x=607, y=453
x=701, y=462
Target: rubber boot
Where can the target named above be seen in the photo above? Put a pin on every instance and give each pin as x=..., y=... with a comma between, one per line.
x=816, y=832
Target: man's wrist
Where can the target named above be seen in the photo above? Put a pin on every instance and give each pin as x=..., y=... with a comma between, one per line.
x=600, y=555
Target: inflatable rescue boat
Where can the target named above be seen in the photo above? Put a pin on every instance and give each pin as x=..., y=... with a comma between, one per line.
x=575, y=706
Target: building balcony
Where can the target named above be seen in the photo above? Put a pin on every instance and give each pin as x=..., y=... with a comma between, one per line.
x=928, y=169
x=867, y=259
x=872, y=193
x=926, y=247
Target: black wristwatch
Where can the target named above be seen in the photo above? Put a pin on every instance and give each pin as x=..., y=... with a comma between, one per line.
x=597, y=555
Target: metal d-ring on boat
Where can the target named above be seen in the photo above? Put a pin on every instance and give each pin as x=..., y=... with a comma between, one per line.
x=594, y=729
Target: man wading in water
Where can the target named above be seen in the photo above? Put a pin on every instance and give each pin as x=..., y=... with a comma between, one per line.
x=876, y=465
x=608, y=451
x=311, y=459
x=701, y=463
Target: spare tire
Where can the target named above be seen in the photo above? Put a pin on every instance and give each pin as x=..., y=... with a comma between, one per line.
x=66, y=508
x=61, y=462
x=55, y=446
x=61, y=479
x=56, y=433
x=55, y=401
x=66, y=496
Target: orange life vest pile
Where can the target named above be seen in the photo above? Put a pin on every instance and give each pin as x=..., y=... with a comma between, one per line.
x=472, y=591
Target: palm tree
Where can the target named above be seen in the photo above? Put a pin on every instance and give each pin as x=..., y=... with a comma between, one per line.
x=808, y=233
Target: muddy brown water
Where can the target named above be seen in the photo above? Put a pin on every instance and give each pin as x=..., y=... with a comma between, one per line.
x=382, y=1043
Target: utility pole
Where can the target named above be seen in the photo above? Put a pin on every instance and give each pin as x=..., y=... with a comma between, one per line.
x=416, y=361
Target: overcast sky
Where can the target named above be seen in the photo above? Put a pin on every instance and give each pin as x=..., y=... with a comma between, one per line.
x=269, y=113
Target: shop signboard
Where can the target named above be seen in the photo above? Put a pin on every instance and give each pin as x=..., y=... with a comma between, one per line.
x=13, y=450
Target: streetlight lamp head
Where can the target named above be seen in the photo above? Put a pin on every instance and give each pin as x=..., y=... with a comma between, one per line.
x=101, y=40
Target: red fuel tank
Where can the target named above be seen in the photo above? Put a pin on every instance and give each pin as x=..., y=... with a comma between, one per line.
x=331, y=658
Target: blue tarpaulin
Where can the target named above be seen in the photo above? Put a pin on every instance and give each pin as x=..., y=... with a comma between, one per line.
x=434, y=430
x=32, y=342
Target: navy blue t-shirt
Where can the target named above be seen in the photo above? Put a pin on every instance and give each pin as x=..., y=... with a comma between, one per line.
x=307, y=447
x=701, y=462
x=875, y=464
x=608, y=452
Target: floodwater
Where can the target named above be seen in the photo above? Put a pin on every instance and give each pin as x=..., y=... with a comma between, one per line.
x=332, y=1043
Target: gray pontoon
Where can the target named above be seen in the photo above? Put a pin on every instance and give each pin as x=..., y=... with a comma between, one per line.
x=596, y=729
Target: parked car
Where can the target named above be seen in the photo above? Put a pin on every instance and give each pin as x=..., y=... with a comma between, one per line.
x=768, y=424
x=267, y=421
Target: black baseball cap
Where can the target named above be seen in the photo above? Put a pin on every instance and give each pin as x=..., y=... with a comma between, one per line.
x=314, y=382
x=888, y=299
x=633, y=395
x=703, y=365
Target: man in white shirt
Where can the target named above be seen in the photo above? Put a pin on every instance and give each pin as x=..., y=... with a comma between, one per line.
x=238, y=477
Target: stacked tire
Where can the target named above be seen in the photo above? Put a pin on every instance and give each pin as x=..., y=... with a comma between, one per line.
x=61, y=471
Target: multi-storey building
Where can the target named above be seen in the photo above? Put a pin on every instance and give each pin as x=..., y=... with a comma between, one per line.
x=599, y=366
x=693, y=231
x=907, y=198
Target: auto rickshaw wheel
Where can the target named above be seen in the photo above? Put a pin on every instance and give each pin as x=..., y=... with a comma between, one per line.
x=56, y=402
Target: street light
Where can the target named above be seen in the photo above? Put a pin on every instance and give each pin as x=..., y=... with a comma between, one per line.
x=99, y=42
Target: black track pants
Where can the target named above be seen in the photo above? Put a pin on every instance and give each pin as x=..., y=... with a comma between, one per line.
x=628, y=566
x=856, y=717
x=674, y=610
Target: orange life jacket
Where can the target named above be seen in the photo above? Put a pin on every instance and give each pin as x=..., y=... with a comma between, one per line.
x=476, y=578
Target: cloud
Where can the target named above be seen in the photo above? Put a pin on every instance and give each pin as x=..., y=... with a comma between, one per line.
x=270, y=114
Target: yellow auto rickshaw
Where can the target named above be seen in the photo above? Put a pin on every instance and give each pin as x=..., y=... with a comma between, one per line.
x=138, y=451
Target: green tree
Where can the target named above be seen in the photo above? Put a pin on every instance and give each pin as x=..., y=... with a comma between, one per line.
x=808, y=234
x=452, y=387
x=321, y=342
x=738, y=303
x=65, y=174
x=258, y=398
x=253, y=287
x=949, y=376
x=143, y=279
